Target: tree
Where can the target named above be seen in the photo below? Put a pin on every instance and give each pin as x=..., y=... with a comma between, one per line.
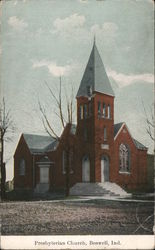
x=6, y=127
x=150, y=122
x=65, y=119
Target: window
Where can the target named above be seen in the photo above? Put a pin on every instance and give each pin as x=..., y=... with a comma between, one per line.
x=109, y=112
x=99, y=108
x=89, y=90
x=90, y=109
x=64, y=162
x=104, y=110
x=105, y=134
x=124, y=158
x=85, y=111
x=81, y=112
x=22, y=166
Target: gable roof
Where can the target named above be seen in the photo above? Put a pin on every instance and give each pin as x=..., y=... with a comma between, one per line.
x=95, y=76
x=40, y=143
x=117, y=128
x=139, y=145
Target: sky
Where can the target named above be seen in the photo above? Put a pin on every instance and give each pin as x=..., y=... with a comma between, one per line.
x=43, y=39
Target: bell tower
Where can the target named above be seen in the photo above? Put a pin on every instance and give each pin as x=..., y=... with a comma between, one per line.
x=95, y=119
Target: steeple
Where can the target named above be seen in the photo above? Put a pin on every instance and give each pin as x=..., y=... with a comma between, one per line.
x=95, y=77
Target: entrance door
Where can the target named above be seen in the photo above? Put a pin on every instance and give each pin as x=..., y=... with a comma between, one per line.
x=85, y=169
x=104, y=169
x=44, y=175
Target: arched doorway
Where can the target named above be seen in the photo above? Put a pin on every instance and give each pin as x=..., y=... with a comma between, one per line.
x=85, y=169
x=104, y=168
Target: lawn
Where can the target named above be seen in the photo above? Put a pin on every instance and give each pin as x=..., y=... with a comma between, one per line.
x=72, y=217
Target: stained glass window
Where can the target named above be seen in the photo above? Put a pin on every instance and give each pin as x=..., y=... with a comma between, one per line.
x=124, y=158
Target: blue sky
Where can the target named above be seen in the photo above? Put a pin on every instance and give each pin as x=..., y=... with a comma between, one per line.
x=43, y=39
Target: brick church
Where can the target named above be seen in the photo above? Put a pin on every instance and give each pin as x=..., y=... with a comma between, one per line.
x=95, y=150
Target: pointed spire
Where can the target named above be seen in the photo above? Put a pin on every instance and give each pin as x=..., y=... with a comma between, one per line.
x=94, y=40
x=95, y=77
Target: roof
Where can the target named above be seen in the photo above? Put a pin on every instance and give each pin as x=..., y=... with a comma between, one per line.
x=95, y=77
x=117, y=127
x=139, y=145
x=40, y=143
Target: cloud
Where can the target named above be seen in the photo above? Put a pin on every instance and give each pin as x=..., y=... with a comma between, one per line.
x=125, y=80
x=53, y=68
x=83, y=1
x=17, y=24
x=69, y=24
x=106, y=29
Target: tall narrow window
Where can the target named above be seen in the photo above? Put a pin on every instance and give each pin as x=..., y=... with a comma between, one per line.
x=104, y=110
x=99, y=108
x=85, y=111
x=105, y=133
x=109, y=112
x=89, y=109
x=22, y=166
x=71, y=154
x=124, y=158
x=81, y=111
x=63, y=162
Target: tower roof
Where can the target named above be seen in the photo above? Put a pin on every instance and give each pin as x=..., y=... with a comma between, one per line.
x=95, y=77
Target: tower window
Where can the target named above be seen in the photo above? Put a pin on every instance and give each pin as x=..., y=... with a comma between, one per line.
x=99, y=108
x=81, y=111
x=85, y=111
x=90, y=109
x=89, y=90
x=109, y=112
x=104, y=110
x=22, y=166
x=124, y=158
x=105, y=133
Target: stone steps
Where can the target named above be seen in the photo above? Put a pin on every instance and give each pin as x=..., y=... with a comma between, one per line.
x=98, y=189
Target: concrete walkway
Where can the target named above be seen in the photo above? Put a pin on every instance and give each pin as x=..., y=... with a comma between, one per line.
x=86, y=198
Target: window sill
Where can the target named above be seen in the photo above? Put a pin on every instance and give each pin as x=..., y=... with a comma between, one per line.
x=124, y=172
x=71, y=172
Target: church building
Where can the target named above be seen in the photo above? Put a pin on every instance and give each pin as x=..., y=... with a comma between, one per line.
x=93, y=151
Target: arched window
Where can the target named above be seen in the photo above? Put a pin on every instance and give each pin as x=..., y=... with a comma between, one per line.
x=124, y=156
x=99, y=108
x=109, y=112
x=104, y=110
x=85, y=111
x=69, y=160
x=81, y=111
x=90, y=109
x=105, y=133
x=22, y=167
